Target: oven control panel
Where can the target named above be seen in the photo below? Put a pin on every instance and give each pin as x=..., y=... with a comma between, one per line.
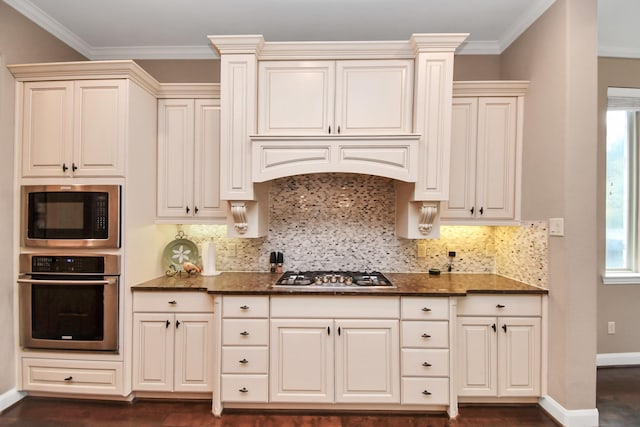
x=67, y=264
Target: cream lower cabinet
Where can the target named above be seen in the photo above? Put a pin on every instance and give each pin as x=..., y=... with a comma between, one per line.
x=334, y=360
x=425, y=351
x=172, y=350
x=245, y=349
x=499, y=346
x=344, y=361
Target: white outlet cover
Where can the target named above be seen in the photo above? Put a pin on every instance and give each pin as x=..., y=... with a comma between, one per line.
x=556, y=226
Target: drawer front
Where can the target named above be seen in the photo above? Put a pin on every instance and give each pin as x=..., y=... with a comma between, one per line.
x=335, y=307
x=169, y=302
x=245, y=306
x=425, y=362
x=245, y=388
x=416, y=308
x=500, y=305
x=245, y=332
x=245, y=360
x=72, y=376
x=425, y=391
x=425, y=334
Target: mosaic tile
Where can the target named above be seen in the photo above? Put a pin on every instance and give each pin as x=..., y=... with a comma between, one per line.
x=347, y=222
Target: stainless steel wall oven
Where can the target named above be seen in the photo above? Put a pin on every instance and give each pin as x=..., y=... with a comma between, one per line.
x=69, y=302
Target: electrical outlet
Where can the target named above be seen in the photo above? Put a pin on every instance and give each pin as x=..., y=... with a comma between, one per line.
x=422, y=249
x=452, y=254
x=611, y=328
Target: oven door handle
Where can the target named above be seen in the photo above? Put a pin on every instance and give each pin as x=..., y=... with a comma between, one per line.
x=68, y=282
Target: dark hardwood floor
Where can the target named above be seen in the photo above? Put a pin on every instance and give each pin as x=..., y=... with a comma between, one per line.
x=618, y=398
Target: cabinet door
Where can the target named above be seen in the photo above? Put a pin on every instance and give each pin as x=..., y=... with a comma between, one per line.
x=374, y=97
x=496, y=158
x=477, y=356
x=47, y=129
x=295, y=97
x=175, y=157
x=462, y=177
x=301, y=360
x=153, y=351
x=99, y=127
x=193, y=352
x=519, y=356
x=206, y=174
x=367, y=361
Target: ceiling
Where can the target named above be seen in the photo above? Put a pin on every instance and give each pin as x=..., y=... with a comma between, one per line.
x=178, y=29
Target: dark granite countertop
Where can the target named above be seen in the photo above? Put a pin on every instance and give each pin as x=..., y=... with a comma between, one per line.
x=406, y=284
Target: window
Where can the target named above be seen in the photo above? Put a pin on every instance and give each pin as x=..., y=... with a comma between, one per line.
x=622, y=174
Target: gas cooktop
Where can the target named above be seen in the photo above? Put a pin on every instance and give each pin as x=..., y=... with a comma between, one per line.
x=334, y=279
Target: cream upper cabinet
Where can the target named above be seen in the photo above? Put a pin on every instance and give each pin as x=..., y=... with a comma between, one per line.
x=366, y=97
x=485, y=167
x=189, y=161
x=74, y=128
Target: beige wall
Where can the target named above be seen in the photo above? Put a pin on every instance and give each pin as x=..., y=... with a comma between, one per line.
x=183, y=71
x=558, y=54
x=20, y=41
x=476, y=67
x=618, y=303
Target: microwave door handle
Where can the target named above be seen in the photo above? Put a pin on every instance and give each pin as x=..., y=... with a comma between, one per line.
x=67, y=282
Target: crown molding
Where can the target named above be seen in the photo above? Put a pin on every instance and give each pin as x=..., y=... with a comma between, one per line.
x=85, y=70
x=189, y=90
x=490, y=87
x=39, y=17
x=534, y=12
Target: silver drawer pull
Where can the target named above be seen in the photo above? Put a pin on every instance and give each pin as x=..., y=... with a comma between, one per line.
x=426, y=393
x=426, y=336
x=499, y=306
x=69, y=378
x=243, y=390
x=244, y=307
x=244, y=361
x=427, y=364
x=426, y=309
x=244, y=333
x=173, y=302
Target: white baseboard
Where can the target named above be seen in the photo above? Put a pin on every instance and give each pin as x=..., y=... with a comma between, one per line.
x=10, y=398
x=617, y=359
x=570, y=418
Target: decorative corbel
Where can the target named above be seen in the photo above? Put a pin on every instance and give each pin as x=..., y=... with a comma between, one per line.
x=427, y=216
x=239, y=214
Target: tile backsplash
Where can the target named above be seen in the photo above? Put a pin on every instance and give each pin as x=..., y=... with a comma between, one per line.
x=347, y=222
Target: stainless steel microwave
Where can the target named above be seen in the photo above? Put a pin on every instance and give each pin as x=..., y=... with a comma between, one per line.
x=71, y=216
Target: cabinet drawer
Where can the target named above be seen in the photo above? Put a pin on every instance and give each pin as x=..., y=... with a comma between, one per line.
x=335, y=307
x=425, y=308
x=245, y=332
x=244, y=360
x=500, y=305
x=425, y=362
x=425, y=391
x=245, y=306
x=72, y=376
x=245, y=388
x=425, y=334
x=168, y=302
